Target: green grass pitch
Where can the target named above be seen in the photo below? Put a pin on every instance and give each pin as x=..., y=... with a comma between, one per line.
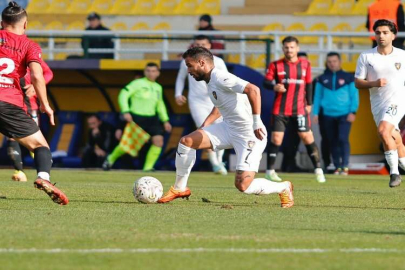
x=354, y=222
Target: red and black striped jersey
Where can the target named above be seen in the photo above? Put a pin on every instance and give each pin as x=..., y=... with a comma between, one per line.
x=295, y=77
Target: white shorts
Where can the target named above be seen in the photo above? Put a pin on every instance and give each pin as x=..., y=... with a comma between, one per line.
x=248, y=148
x=199, y=112
x=391, y=113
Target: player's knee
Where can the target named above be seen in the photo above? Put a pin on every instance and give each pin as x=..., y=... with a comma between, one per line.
x=384, y=133
x=157, y=141
x=241, y=186
x=187, y=141
x=242, y=182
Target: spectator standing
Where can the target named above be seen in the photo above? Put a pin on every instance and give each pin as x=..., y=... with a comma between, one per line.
x=391, y=10
x=101, y=142
x=141, y=101
x=97, y=42
x=338, y=98
x=205, y=24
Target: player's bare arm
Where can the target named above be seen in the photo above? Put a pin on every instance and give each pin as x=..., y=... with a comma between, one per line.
x=38, y=81
x=253, y=93
x=364, y=84
x=212, y=117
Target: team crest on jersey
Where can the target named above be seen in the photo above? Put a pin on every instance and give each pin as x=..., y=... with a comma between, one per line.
x=214, y=94
x=398, y=66
x=341, y=81
x=251, y=144
x=2, y=41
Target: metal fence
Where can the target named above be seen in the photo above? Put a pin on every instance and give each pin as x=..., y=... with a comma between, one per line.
x=251, y=48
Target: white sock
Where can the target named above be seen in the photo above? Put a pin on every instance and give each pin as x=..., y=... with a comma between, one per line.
x=402, y=162
x=212, y=157
x=392, y=158
x=185, y=159
x=44, y=176
x=261, y=186
x=220, y=155
x=270, y=171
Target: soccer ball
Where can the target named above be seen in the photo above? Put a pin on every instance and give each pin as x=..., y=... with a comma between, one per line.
x=147, y=189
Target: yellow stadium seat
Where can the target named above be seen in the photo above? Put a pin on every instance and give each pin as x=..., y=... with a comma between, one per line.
x=143, y=7
x=165, y=7
x=187, y=7
x=119, y=26
x=296, y=27
x=212, y=7
x=349, y=62
x=37, y=6
x=76, y=25
x=317, y=27
x=122, y=7
x=56, y=25
x=313, y=59
x=342, y=27
x=35, y=25
x=233, y=58
x=80, y=7
x=256, y=61
x=58, y=6
x=101, y=6
x=318, y=7
x=271, y=27
x=361, y=40
x=342, y=7
x=162, y=26
x=361, y=7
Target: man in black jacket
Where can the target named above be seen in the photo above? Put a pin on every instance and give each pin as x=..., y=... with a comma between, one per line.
x=101, y=142
x=97, y=42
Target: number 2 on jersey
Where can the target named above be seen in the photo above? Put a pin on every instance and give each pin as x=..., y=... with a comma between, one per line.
x=10, y=66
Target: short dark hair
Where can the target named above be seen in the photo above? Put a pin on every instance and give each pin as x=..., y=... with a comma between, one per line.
x=289, y=39
x=152, y=64
x=197, y=53
x=13, y=13
x=94, y=115
x=392, y=26
x=203, y=37
x=330, y=54
x=302, y=54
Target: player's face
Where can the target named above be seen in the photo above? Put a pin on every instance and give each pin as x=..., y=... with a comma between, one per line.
x=152, y=73
x=195, y=68
x=290, y=50
x=333, y=63
x=384, y=36
x=203, y=43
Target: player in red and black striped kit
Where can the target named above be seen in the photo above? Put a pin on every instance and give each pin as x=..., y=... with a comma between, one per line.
x=290, y=78
x=17, y=53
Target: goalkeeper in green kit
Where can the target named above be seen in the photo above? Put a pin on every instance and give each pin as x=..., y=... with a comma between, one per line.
x=141, y=103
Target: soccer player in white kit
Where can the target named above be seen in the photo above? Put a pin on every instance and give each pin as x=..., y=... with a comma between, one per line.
x=382, y=70
x=239, y=103
x=198, y=99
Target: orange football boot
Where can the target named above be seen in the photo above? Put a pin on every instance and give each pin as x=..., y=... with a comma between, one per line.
x=56, y=195
x=174, y=194
x=287, y=197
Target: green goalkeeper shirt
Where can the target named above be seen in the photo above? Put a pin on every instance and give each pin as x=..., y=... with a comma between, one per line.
x=143, y=97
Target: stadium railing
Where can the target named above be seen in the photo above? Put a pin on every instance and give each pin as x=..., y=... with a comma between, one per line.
x=167, y=45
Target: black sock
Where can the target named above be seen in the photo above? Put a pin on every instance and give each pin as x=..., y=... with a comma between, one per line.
x=14, y=152
x=313, y=153
x=272, y=151
x=43, y=159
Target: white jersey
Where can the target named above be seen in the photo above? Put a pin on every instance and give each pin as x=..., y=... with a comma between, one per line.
x=225, y=91
x=197, y=90
x=372, y=66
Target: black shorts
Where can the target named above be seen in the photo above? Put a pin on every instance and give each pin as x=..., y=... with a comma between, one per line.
x=301, y=123
x=151, y=124
x=15, y=122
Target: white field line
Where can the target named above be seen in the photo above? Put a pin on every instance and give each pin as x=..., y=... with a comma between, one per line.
x=201, y=250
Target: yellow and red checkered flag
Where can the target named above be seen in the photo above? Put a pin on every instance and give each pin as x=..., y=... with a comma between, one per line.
x=133, y=138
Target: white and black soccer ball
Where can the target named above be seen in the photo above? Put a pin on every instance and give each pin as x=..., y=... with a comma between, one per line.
x=147, y=189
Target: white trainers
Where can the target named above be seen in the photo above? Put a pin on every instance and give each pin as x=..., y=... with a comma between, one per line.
x=220, y=169
x=272, y=176
x=320, y=177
